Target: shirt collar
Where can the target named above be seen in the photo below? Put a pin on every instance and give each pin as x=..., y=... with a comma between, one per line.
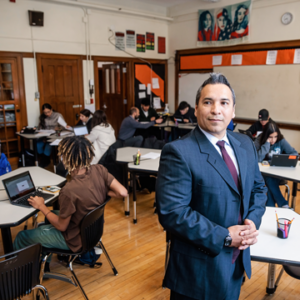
x=214, y=139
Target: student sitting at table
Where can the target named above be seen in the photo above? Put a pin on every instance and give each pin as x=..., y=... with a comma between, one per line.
x=129, y=126
x=270, y=142
x=263, y=118
x=87, y=189
x=102, y=135
x=85, y=119
x=48, y=120
x=185, y=112
x=147, y=113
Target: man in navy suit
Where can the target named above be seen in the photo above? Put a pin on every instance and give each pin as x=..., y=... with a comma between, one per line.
x=211, y=198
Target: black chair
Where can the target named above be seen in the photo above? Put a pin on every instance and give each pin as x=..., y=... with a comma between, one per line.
x=91, y=231
x=60, y=170
x=19, y=273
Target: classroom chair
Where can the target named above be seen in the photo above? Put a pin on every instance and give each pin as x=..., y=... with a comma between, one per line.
x=19, y=273
x=91, y=231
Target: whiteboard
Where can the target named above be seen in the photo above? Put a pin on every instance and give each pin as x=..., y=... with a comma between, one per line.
x=189, y=85
x=275, y=88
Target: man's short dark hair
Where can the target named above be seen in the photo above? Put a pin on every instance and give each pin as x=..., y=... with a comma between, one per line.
x=215, y=78
x=146, y=102
x=132, y=110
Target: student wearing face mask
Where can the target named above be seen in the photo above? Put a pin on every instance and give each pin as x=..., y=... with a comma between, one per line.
x=129, y=126
x=270, y=142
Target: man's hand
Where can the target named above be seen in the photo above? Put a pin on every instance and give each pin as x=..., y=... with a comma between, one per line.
x=152, y=119
x=186, y=120
x=249, y=235
x=158, y=121
x=235, y=234
x=36, y=202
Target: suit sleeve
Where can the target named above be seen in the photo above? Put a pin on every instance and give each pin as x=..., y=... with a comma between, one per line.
x=173, y=196
x=258, y=196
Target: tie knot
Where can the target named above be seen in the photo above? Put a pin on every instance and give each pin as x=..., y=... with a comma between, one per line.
x=221, y=144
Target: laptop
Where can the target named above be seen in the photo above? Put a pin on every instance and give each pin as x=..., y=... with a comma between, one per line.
x=179, y=119
x=21, y=187
x=284, y=160
x=80, y=130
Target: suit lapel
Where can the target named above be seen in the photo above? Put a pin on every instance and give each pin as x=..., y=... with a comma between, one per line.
x=214, y=158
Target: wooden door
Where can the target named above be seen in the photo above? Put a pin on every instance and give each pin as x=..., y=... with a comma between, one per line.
x=10, y=117
x=113, y=96
x=62, y=86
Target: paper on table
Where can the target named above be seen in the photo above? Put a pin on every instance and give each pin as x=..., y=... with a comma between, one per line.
x=155, y=83
x=149, y=88
x=271, y=57
x=297, y=56
x=236, y=59
x=46, y=131
x=62, y=122
x=150, y=155
x=142, y=95
x=217, y=60
x=142, y=86
x=55, y=143
x=65, y=133
x=156, y=102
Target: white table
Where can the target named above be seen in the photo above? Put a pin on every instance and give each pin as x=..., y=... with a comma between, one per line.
x=292, y=174
x=12, y=215
x=273, y=250
x=125, y=157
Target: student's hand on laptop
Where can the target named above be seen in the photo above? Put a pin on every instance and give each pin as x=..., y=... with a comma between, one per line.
x=36, y=202
x=158, y=121
x=152, y=119
x=186, y=121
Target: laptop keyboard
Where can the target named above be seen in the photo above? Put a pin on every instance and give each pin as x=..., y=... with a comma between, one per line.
x=24, y=200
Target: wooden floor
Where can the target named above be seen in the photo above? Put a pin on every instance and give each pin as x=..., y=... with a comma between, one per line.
x=138, y=253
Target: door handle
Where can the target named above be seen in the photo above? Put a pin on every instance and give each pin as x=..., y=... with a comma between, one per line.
x=104, y=106
x=77, y=116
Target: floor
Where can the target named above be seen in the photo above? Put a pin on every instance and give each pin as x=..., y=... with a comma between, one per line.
x=138, y=253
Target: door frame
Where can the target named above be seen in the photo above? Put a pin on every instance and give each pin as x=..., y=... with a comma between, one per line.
x=40, y=56
x=130, y=76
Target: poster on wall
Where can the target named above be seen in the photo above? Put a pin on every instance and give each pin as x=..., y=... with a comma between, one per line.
x=140, y=43
x=149, y=41
x=130, y=39
x=120, y=41
x=228, y=25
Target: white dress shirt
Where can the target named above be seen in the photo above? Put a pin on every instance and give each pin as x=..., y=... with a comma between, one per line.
x=146, y=113
x=228, y=147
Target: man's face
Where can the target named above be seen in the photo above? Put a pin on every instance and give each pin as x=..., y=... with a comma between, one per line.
x=137, y=113
x=264, y=122
x=215, y=109
x=145, y=107
x=184, y=111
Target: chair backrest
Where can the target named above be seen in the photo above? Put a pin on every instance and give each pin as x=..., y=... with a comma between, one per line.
x=19, y=272
x=92, y=227
x=292, y=271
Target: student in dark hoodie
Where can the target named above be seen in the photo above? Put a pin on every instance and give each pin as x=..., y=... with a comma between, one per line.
x=85, y=119
x=270, y=142
x=185, y=112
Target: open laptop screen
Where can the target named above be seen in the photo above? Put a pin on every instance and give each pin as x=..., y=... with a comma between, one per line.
x=80, y=130
x=19, y=185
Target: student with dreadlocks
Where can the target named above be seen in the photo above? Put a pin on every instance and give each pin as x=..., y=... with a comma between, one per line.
x=88, y=188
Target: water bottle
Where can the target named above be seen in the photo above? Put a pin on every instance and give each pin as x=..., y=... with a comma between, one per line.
x=166, y=111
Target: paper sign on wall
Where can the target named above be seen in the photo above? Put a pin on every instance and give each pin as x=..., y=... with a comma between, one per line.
x=156, y=102
x=155, y=83
x=130, y=39
x=142, y=95
x=236, y=59
x=217, y=60
x=297, y=56
x=271, y=57
x=142, y=86
x=120, y=41
x=149, y=88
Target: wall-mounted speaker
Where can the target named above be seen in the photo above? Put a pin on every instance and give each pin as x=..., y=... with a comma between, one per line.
x=36, y=18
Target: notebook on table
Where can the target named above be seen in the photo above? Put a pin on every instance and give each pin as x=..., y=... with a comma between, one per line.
x=20, y=188
x=80, y=130
x=284, y=160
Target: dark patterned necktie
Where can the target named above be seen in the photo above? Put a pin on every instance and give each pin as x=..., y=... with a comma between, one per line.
x=232, y=169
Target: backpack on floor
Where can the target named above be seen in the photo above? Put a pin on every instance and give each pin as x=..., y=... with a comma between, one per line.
x=89, y=258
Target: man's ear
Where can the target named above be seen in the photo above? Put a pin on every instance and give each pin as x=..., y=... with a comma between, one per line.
x=196, y=108
x=233, y=113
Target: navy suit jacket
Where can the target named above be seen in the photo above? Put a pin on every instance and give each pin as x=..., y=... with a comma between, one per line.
x=197, y=201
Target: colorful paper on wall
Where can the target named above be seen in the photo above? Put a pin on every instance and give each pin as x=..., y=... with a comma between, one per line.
x=161, y=44
x=120, y=41
x=227, y=25
x=130, y=39
x=297, y=56
x=271, y=57
x=140, y=43
x=149, y=41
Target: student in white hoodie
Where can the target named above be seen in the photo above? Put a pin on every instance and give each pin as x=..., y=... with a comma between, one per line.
x=102, y=135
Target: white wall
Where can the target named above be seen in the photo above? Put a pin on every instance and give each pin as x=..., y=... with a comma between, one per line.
x=64, y=32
